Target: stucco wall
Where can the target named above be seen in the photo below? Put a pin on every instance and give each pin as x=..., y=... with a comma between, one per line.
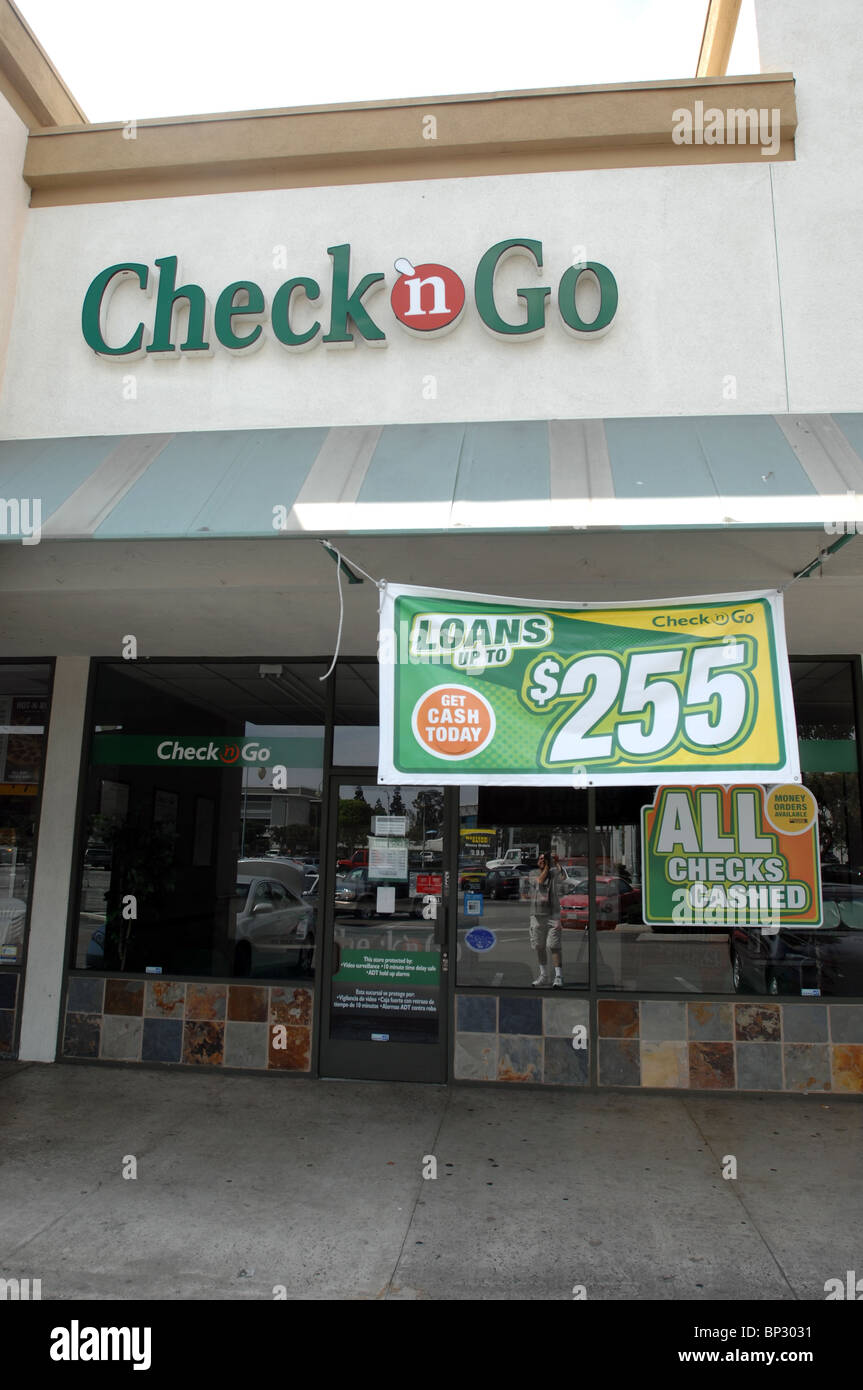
x=740, y=290
x=819, y=199
x=692, y=250
x=14, y=198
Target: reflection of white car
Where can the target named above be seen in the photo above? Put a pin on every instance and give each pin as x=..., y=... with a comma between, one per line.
x=518, y=855
x=12, y=915
x=271, y=925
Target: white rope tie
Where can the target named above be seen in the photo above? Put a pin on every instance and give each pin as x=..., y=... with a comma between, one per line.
x=380, y=585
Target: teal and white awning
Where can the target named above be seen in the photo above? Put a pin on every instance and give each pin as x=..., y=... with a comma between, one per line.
x=711, y=471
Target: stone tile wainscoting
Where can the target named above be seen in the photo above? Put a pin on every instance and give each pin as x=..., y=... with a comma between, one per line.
x=668, y=1045
x=10, y=990
x=521, y=1038
x=189, y=1023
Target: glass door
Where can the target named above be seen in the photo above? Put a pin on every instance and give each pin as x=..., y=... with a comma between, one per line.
x=384, y=917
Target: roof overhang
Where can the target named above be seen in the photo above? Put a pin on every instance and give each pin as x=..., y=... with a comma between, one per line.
x=531, y=475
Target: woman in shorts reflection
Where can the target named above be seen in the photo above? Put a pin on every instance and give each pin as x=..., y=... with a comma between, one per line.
x=546, y=886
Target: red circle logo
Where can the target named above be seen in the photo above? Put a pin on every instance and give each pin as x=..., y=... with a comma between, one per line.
x=427, y=298
x=230, y=753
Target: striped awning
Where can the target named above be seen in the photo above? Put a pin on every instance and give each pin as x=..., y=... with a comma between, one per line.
x=749, y=470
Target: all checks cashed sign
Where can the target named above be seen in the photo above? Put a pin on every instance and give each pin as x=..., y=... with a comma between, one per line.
x=722, y=856
x=479, y=690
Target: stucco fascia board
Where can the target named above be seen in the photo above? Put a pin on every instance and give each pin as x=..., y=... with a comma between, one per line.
x=513, y=132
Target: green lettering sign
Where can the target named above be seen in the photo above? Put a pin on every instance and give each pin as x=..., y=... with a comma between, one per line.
x=347, y=306
x=91, y=312
x=227, y=310
x=607, y=299
x=281, y=312
x=167, y=295
x=534, y=298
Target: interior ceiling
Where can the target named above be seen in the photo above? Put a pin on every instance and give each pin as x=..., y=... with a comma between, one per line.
x=24, y=680
x=244, y=691
x=278, y=597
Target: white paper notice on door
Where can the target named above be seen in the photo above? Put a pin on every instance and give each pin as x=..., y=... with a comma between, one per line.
x=388, y=857
x=386, y=899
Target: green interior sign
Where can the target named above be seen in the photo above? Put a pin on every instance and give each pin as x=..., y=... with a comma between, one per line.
x=184, y=750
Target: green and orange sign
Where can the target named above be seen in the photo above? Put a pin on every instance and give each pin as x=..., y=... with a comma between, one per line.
x=726, y=856
x=478, y=690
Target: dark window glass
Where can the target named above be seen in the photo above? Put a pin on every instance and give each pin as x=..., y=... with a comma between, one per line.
x=711, y=956
x=355, y=736
x=202, y=819
x=24, y=702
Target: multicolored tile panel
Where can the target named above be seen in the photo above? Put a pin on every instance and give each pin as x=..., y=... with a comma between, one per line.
x=700, y=1045
x=189, y=1023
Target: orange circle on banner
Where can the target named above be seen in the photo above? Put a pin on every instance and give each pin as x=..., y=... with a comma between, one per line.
x=428, y=300
x=791, y=809
x=453, y=722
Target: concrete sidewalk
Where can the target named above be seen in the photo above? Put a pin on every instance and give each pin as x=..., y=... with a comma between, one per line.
x=245, y=1183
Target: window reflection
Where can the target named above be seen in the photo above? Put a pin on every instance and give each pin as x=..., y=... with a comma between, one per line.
x=387, y=914
x=522, y=865
x=202, y=820
x=673, y=957
x=23, y=721
x=773, y=959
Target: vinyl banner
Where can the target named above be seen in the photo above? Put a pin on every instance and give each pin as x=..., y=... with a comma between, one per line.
x=477, y=690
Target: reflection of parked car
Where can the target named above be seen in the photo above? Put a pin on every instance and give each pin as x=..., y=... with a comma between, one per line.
x=827, y=958
x=503, y=883
x=616, y=901
x=96, y=950
x=358, y=860
x=357, y=893
x=271, y=924
x=518, y=854
x=97, y=857
x=472, y=876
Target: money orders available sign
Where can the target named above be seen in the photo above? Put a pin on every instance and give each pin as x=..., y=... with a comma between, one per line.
x=731, y=855
x=479, y=690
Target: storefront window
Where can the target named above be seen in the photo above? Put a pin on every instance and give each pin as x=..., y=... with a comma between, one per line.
x=716, y=953
x=24, y=702
x=674, y=957
x=202, y=820
x=522, y=887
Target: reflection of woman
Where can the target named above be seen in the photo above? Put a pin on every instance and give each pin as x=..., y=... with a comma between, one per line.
x=546, y=885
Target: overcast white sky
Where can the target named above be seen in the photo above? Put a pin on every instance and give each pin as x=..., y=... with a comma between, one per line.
x=182, y=57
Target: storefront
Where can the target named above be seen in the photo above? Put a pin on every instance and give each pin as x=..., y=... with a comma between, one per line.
x=574, y=405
